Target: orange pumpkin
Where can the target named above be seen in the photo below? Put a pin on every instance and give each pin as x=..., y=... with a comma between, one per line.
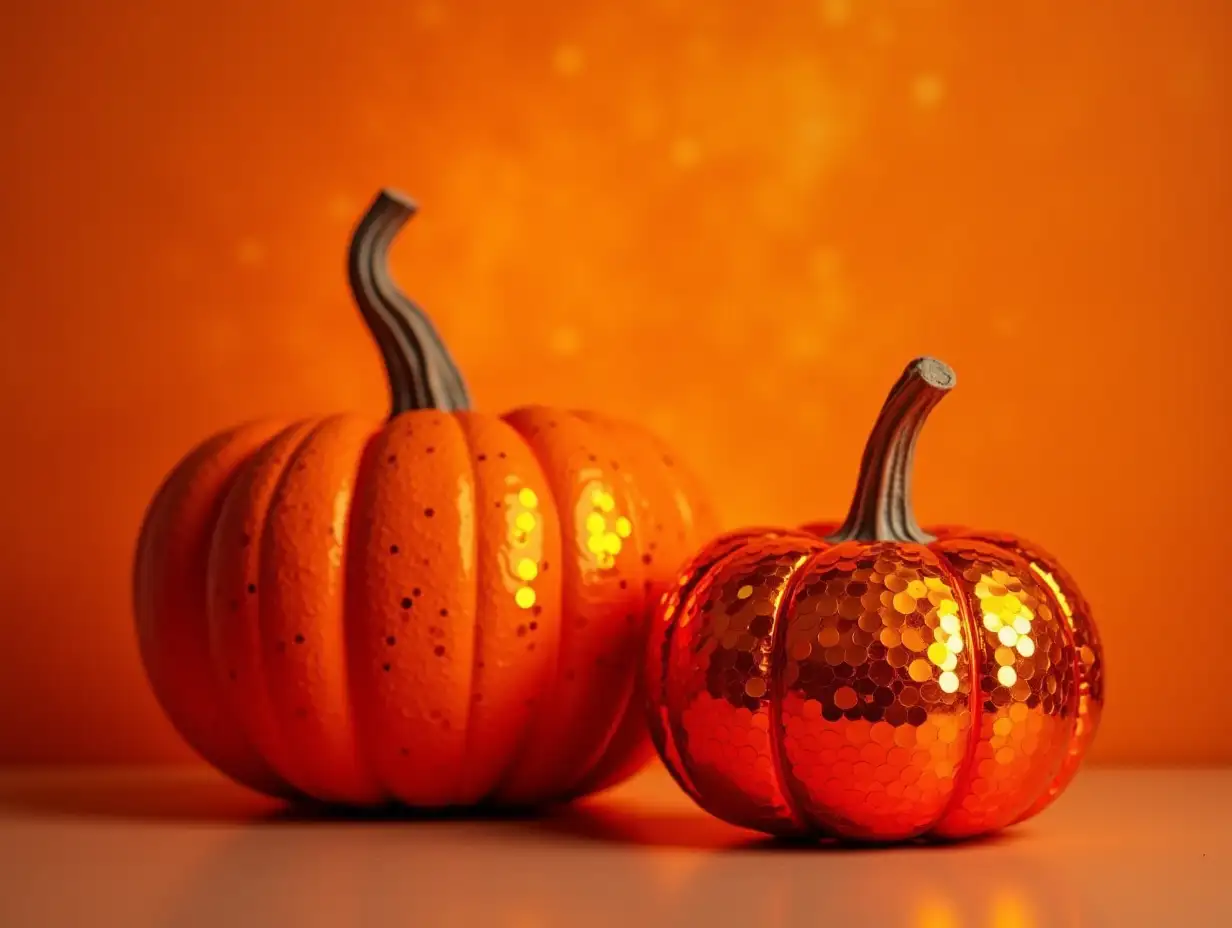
x=874, y=680
x=446, y=608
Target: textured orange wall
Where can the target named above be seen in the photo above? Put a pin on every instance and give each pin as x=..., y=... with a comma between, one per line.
x=736, y=221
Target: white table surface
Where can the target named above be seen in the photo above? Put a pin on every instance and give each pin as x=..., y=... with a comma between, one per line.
x=182, y=847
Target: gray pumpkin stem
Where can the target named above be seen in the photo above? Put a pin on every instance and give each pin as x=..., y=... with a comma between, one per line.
x=422, y=374
x=881, y=508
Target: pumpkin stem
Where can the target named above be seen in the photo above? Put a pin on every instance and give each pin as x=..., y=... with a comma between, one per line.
x=881, y=508
x=422, y=374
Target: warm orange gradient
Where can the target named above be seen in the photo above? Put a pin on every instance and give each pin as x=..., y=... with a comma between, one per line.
x=734, y=222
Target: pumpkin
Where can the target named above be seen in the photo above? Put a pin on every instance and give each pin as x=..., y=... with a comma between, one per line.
x=872, y=680
x=445, y=608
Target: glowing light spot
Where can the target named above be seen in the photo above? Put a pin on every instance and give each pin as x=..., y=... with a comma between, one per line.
x=1022, y=625
x=992, y=621
x=525, y=521
x=744, y=592
x=527, y=497
x=565, y=341
x=594, y=544
x=1007, y=636
x=1054, y=586
x=685, y=153
x=596, y=524
x=954, y=643
x=624, y=528
x=947, y=607
x=568, y=60
x=919, y=670
x=525, y=597
x=527, y=569
x=1007, y=676
x=603, y=500
x=938, y=653
x=948, y=681
x=1026, y=647
x=917, y=589
x=949, y=622
x=949, y=663
x=612, y=543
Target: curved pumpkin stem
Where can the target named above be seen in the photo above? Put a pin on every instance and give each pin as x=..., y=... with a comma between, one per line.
x=881, y=509
x=422, y=374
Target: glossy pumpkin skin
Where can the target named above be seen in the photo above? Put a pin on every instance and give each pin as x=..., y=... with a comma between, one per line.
x=874, y=690
x=445, y=609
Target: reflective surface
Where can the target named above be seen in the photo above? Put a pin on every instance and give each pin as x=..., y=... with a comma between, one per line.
x=184, y=849
x=877, y=691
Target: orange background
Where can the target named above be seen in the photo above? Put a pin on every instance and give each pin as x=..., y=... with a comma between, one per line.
x=733, y=221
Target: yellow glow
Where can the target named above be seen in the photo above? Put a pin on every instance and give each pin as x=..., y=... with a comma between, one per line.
x=1022, y=625
x=594, y=544
x=948, y=607
x=1026, y=647
x=611, y=543
x=949, y=663
x=624, y=528
x=948, y=681
x=1008, y=636
x=954, y=643
x=992, y=621
x=744, y=592
x=527, y=569
x=938, y=653
x=603, y=500
x=1007, y=676
x=525, y=597
x=1056, y=589
x=525, y=521
x=527, y=497
x=949, y=622
x=596, y=524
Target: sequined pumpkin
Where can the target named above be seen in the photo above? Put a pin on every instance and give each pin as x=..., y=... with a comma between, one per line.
x=941, y=683
x=443, y=609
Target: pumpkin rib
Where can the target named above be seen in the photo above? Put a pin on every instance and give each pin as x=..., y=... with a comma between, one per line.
x=234, y=614
x=516, y=638
x=975, y=699
x=169, y=612
x=410, y=593
x=1032, y=780
x=567, y=738
x=302, y=606
x=788, y=786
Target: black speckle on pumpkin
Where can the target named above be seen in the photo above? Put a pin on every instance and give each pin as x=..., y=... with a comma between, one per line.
x=416, y=592
x=646, y=558
x=387, y=667
x=405, y=752
x=252, y=588
x=299, y=639
x=538, y=610
x=439, y=650
x=444, y=612
x=392, y=459
x=533, y=626
x=667, y=459
x=615, y=465
x=530, y=646
x=429, y=512
x=482, y=457
x=498, y=504
x=543, y=567
x=502, y=455
x=552, y=424
x=391, y=640
x=301, y=713
x=430, y=450
x=406, y=602
x=624, y=584
x=393, y=549
x=592, y=458
x=521, y=631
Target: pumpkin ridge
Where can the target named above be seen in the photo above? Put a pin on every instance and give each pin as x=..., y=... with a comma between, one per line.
x=802, y=816
x=221, y=553
x=156, y=623
x=975, y=699
x=326, y=751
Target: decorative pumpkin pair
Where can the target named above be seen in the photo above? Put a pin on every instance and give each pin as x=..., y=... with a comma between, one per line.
x=447, y=608
x=452, y=609
x=871, y=680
